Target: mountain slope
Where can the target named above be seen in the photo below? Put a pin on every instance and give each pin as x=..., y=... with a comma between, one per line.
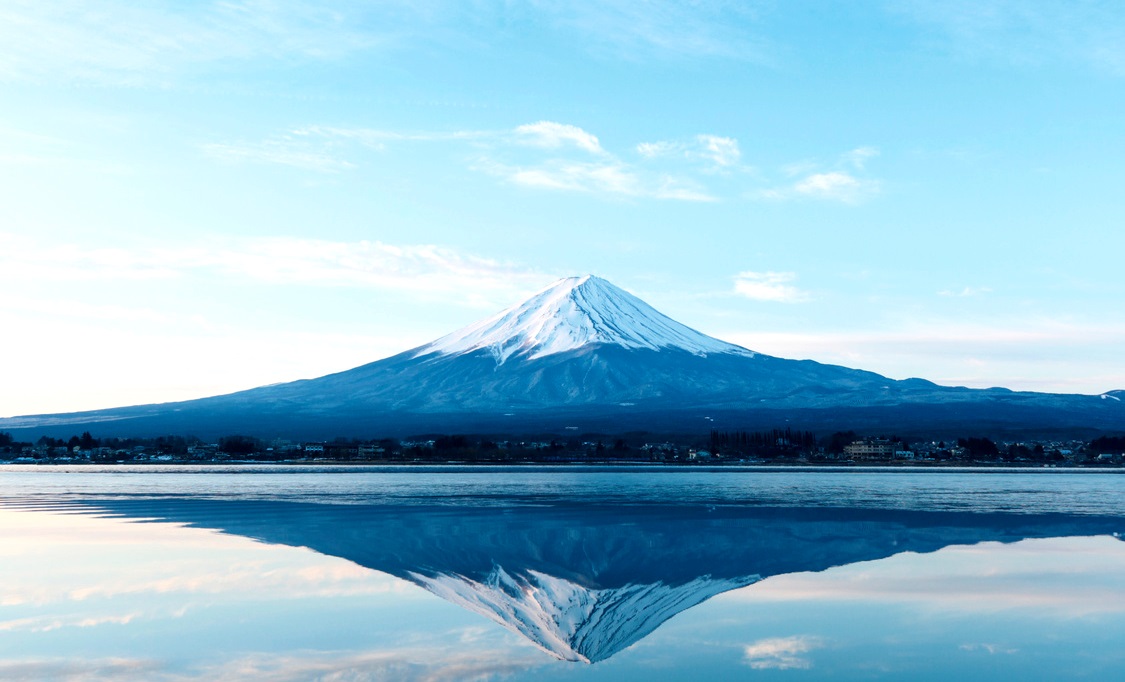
x=585, y=354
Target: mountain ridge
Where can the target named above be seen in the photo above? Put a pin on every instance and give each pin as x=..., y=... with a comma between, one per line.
x=584, y=354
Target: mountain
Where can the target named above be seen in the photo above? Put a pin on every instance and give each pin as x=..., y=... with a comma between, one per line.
x=585, y=355
x=584, y=580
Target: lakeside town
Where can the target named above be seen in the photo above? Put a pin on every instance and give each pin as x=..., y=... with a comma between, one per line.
x=776, y=447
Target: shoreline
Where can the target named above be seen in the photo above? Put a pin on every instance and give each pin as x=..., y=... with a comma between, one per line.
x=495, y=467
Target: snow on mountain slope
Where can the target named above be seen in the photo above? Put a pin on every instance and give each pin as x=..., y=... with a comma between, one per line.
x=570, y=621
x=572, y=313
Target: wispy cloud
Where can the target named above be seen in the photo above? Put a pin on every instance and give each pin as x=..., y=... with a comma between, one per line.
x=612, y=178
x=830, y=186
x=1033, y=576
x=128, y=303
x=402, y=664
x=419, y=268
x=661, y=28
x=781, y=653
x=1025, y=34
x=108, y=669
x=128, y=43
x=991, y=649
x=210, y=568
x=857, y=158
x=608, y=174
x=411, y=267
x=608, y=178
x=555, y=156
x=158, y=43
x=843, y=182
x=652, y=150
x=22, y=257
x=552, y=135
x=799, y=168
x=721, y=152
x=216, y=565
x=543, y=155
x=106, y=312
x=956, y=351
x=769, y=286
x=965, y=292
x=331, y=149
x=836, y=185
x=376, y=138
x=282, y=152
x=49, y=623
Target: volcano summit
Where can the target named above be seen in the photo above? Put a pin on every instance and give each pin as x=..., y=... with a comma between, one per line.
x=572, y=313
x=585, y=355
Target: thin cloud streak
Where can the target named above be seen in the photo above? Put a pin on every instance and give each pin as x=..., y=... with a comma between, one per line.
x=609, y=178
x=943, y=333
x=721, y=152
x=177, y=351
x=858, y=157
x=131, y=44
x=959, y=353
x=49, y=623
x=404, y=663
x=551, y=135
x=103, y=669
x=277, y=153
x=1073, y=576
x=158, y=44
x=843, y=183
x=421, y=268
x=781, y=653
x=181, y=362
x=541, y=155
x=1031, y=354
x=376, y=138
x=991, y=649
x=769, y=286
x=554, y=156
x=836, y=185
x=1024, y=34
x=965, y=292
x=211, y=564
x=639, y=31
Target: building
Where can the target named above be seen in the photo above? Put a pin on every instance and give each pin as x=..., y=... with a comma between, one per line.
x=369, y=451
x=870, y=449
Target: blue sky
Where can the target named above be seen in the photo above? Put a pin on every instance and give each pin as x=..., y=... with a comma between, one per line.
x=198, y=198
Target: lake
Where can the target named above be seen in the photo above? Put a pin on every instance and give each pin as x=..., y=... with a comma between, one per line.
x=563, y=573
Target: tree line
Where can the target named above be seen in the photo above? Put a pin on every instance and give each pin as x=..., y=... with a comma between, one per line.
x=774, y=444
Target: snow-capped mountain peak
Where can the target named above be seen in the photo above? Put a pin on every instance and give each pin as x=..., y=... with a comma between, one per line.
x=572, y=313
x=570, y=621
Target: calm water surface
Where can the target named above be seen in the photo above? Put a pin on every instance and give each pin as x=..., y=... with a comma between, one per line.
x=283, y=573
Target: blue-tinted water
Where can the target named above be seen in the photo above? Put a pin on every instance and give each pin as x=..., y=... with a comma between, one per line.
x=282, y=573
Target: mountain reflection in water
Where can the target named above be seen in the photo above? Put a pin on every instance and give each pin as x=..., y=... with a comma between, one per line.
x=584, y=582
